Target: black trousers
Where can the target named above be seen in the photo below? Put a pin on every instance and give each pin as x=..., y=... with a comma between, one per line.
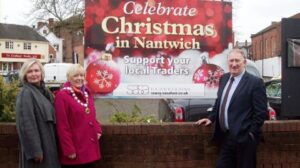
x=90, y=165
x=237, y=155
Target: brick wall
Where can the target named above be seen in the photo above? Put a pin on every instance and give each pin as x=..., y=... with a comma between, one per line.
x=72, y=39
x=171, y=145
x=8, y=146
x=267, y=44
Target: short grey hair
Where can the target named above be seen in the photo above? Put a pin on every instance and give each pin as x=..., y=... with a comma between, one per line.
x=73, y=69
x=237, y=50
x=26, y=66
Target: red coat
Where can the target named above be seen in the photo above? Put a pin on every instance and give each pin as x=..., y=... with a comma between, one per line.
x=77, y=130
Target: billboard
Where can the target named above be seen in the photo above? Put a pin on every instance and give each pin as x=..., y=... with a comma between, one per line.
x=156, y=48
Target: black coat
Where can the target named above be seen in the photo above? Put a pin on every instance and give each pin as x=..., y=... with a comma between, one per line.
x=247, y=109
x=36, y=128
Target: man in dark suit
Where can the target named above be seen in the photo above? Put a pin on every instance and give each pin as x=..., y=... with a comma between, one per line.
x=239, y=113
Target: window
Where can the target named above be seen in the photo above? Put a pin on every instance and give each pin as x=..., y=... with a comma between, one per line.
x=27, y=46
x=78, y=33
x=260, y=50
x=51, y=59
x=9, y=45
x=4, y=67
x=56, y=46
x=273, y=47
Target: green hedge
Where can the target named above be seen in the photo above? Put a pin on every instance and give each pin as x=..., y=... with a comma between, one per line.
x=133, y=117
x=8, y=94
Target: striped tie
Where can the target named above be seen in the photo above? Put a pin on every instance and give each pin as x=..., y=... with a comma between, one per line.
x=223, y=105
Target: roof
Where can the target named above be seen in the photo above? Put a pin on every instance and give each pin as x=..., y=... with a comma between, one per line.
x=72, y=23
x=273, y=25
x=19, y=32
x=243, y=44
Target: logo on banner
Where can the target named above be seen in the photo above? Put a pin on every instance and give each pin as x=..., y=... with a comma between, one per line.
x=137, y=89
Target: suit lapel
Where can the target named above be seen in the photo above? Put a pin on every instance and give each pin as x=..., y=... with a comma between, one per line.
x=239, y=88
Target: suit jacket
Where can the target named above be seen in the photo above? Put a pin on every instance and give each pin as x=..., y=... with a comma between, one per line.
x=247, y=108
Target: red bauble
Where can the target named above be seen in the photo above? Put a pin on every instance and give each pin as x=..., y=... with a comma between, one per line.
x=208, y=74
x=103, y=75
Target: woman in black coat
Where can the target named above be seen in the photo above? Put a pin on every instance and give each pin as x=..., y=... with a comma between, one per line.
x=35, y=119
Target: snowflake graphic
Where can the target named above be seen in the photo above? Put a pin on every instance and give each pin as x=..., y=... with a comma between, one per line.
x=103, y=79
x=212, y=80
x=219, y=71
x=198, y=75
x=96, y=81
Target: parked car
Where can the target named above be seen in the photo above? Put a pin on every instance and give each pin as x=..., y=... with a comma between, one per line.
x=189, y=109
x=273, y=88
x=195, y=109
x=10, y=76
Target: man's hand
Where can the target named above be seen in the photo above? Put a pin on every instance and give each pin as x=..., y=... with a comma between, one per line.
x=39, y=159
x=204, y=121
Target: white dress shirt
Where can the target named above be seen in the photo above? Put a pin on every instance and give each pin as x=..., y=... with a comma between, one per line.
x=234, y=85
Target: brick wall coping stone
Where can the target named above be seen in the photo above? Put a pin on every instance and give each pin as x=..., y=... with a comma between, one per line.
x=170, y=127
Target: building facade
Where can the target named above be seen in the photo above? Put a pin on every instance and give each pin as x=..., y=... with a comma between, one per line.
x=19, y=43
x=266, y=49
x=71, y=30
x=66, y=37
x=266, y=43
x=55, y=42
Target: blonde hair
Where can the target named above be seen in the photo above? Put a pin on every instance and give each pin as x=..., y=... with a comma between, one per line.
x=25, y=67
x=74, y=69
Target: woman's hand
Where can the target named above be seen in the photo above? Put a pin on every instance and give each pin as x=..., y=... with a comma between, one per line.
x=72, y=156
x=98, y=136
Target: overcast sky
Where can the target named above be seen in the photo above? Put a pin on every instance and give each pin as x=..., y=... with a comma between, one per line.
x=249, y=16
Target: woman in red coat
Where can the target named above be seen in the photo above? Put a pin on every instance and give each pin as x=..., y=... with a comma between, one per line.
x=77, y=128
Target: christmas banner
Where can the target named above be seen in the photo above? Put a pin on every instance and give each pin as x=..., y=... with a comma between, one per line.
x=156, y=48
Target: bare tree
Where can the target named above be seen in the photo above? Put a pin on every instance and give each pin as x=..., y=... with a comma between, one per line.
x=58, y=9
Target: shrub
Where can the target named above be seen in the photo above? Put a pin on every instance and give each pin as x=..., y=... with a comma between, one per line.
x=133, y=117
x=8, y=94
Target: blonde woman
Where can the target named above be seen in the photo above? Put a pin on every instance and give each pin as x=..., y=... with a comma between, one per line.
x=36, y=119
x=77, y=128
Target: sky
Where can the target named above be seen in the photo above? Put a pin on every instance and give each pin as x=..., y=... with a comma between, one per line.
x=15, y=11
x=249, y=16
